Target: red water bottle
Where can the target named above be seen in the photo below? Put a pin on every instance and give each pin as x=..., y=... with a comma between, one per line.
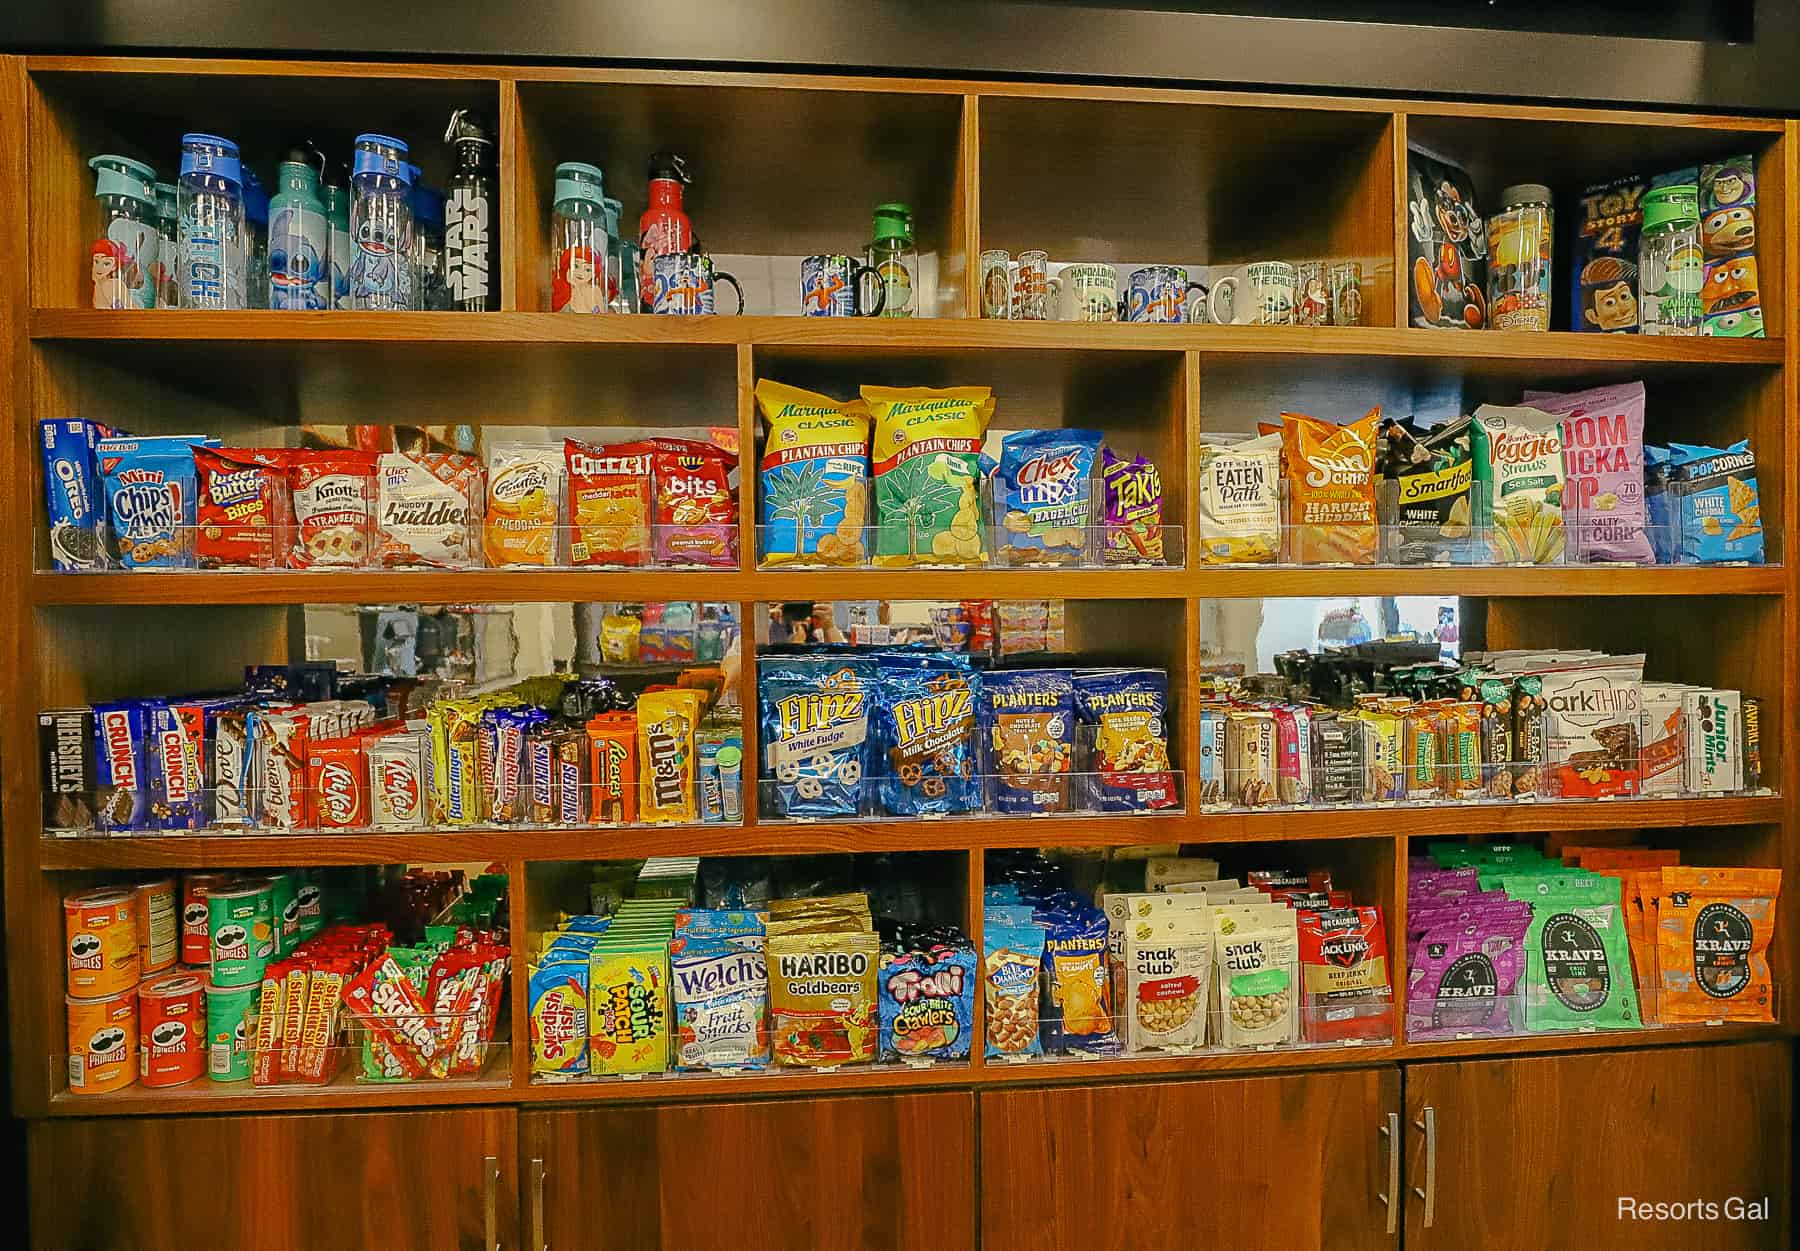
x=664, y=227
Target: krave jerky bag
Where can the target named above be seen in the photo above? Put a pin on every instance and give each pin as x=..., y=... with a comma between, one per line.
x=927, y=458
x=1518, y=464
x=1712, y=943
x=1240, y=501
x=814, y=482
x=1330, y=472
x=1463, y=980
x=1578, y=955
x=1603, y=456
x=1427, y=479
x=1717, y=508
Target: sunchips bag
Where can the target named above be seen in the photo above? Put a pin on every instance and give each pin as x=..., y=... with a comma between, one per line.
x=1240, y=501
x=1519, y=484
x=1713, y=931
x=927, y=459
x=814, y=488
x=1330, y=472
x=1578, y=954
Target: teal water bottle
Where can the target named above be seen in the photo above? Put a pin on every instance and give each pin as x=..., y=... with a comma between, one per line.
x=299, y=239
x=168, y=248
x=122, y=262
x=337, y=213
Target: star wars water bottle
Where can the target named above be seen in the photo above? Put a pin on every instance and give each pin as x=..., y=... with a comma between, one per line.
x=299, y=239
x=381, y=226
x=471, y=265
x=210, y=199
x=122, y=262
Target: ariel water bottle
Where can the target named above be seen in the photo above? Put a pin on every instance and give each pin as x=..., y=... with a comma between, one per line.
x=621, y=297
x=337, y=214
x=381, y=226
x=256, y=241
x=168, y=248
x=664, y=227
x=299, y=239
x=210, y=199
x=471, y=269
x=122, y=262
x=579, y=246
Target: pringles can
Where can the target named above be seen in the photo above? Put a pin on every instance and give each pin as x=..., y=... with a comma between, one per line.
x=240, y=932
x=196, y=936
x=230, y=1025
x=102, y=942
x=103, y=1035
x=172, y=1030
x=284, y=908
x=159, y=932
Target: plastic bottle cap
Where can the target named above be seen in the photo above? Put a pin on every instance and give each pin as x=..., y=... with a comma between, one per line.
x=1525, y=193
x=209, y=154
x=122, y=176
x=256, y=200
x=428, y=209
x=1676, y=204
x=613, y=209
x=893, y=221
x=382, y=156
x=576, y=181
x=667, y=165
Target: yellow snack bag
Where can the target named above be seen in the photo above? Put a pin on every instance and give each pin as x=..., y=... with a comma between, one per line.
x=928, y=474
x=1331, y=489
x=666, y=767
x=813, y=488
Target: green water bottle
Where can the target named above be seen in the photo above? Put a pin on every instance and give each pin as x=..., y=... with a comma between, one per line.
x=895, y=259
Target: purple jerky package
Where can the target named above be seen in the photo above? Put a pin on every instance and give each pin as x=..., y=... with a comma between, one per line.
x=1465, y=982
x=1133, y=515
x=1604, y=512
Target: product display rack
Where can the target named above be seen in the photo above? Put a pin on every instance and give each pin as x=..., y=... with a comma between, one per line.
x=789, y=165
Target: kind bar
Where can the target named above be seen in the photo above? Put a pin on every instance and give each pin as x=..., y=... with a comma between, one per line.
x=73, y=504
x=1713, y=930
x=1718, y=510
x=1518, y=462
x=928, y=473
x=696, y=509
x=610, y=492
x=525, y=484
x=1043, y=496
x=1663, y=762
x=822, y=997
x=1715, y=745
x=1028, y=726
x=1344, y=975
x=1330, y=472
x=1529, y=746
x=1428, y=479
x=814, y=487
x=1132, y=500
x=1240, y=501
x=1340, y=762
x=243, y=508
x=66, y=751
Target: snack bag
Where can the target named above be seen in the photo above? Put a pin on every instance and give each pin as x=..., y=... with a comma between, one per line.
x=1077, y=1005
x=1240, y=501
x=628, y=1001
x=1660, y=519
x=822, y=1009
x=1603, y=455
x=1122, y=714
x=1163, y=951
x=151, y=496
x=1013, y=958
x=816, y=716
x=927, y=458
x=927, y=723
x=1028, y=732
x=667, y=721
x=1592, y=727
x=1518, y=459
x=1463, y=980
x=334, y=501
x=73, y=503
x=243, y=509
x=927, y=1004
x=1344, y=975
x=1331, y=489
x=1578, y=956
x=1257, y=953
x=1712, y=936
x=814, y=487
x=720, y=988
x=524, y=505
x=559, y=1009
x=428, y=509
x=1043, y=495
x=1718, y=511
x=1131, y=496
x=610, y=490
x=1428, y=478
x=696, y=509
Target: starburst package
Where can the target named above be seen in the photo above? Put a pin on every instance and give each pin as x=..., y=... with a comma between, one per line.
x=927, y=460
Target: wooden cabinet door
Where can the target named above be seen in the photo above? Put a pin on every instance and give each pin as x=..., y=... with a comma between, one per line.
x=864, y=1173
x=302, y=1182
x=1537, y=1153
x=1287, y=1163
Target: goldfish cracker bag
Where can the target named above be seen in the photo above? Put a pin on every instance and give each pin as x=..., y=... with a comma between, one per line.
x=524, y=504
x=1331, y=489
x=666, y=767
x=927, y=458
x=1712, y=936
x=813, y=492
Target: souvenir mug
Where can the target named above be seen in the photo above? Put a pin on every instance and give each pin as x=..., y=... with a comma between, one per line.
x=996, y=284
x=1086, y=293
x=1312, y=301
x=1159, y=293
x=1344, y=279
x=831, y=286
x=1258, y=294
x=685, y=281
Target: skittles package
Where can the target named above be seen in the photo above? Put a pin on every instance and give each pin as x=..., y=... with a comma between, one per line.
x=1122, y=715
x=1717, y=510
x=1043, y=495
x=814, y=484
x=816, y=714
x=927, y=458
x=151, y=498
x=927, y=719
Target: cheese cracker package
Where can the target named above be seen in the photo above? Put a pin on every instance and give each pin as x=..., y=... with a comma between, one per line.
x=1240, y=501
x=814, y=487
x=524, y=504
x=1330, y=472
x=927, y=457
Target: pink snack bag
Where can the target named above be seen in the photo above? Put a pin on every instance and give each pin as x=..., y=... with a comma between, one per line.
x=1603, y=459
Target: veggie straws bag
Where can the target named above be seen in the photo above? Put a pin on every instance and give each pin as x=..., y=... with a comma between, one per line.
x=928, y=474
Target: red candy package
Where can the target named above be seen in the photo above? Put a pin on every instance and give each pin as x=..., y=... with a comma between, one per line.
x=243, y=512
x=609, y=503
x=334, y=507
x=337, y=783
x=386, y=1001
x=696, y=509
x=1344, y=975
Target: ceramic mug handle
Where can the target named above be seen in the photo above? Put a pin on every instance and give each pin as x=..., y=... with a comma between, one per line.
x=1226, y=287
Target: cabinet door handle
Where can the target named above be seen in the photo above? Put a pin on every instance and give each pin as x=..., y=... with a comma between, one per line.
x=1428, y=1125
x=490, y=1199
x=537, y=1203
x=1391, y=1132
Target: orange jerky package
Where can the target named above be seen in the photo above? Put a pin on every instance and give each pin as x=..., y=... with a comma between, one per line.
x=609, y=503
x=1330, y=472
x=1713, y=933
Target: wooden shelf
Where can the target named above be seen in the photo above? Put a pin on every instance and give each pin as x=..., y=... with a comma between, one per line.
x=213, y=1097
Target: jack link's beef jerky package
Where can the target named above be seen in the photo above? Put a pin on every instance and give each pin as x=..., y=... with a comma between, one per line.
x=1603, y=455
x=1240, y=501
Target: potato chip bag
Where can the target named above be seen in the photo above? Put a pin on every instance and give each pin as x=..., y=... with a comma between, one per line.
x=1044, y=493
x=1240, y=501
x=1331, y=489
x=1713, y=928
x=814, y=490
x=524, y=504
x=927, y=458
x=1519, y=477
x=609, y=503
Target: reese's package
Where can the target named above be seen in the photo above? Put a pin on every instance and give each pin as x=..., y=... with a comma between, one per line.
x=813, y=491
x=927, y=459
x=1330, y=470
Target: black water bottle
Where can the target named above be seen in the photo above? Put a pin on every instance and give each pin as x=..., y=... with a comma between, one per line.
x=471, y=219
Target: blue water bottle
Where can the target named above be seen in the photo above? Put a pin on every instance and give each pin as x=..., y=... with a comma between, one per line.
x=256, y=240
x=210, y=198
x=381, y=226
x=337, y=213
x=299, y=239
x=122, y=262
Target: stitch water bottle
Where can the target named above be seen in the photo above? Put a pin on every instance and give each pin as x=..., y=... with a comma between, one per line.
x=122, y=262
x=168, y=247
x=664, y=226
x=337, y=215
x=471, y=267
x=210, y=199
x=299, y=239
x=381, y=226
x=256, y=240
x=578, y=241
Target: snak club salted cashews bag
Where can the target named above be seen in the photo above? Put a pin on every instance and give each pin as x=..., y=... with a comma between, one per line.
x=1331, y=489
x=928, y=474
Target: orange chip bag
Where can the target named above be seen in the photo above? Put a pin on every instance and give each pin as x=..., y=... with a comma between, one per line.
x=1713, y=933
x=524, y=504
x=609, y=503
x=1330, y=472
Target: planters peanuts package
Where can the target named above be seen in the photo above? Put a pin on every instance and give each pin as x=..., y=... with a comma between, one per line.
x=1043, y=496
x=1730, y=298
x=815, y=732
x=1028, y=734
x=927, y=1004
x=1716, y=505
x=927, y=718
x=1447, y=244
x=73, y=505
x=1122, y=714
x=1608, y=219
x=151, y=495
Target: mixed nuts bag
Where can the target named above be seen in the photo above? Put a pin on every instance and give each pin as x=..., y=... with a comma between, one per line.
x=1240, y=501
x=1330, y=471
x=1713, y=931
x=927, y=458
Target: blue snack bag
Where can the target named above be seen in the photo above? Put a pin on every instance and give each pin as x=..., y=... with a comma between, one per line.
x=1078, y=1009
x=927, y=1004
x=1718, y=505
x=1123, y=720
x=815, y=732
x=1013, y=957
x=1028, y=738
x=73, y=504
x=927, y=719
x=1659, y=505
x=1043, y=496
x=122, y=765
x=151, y=493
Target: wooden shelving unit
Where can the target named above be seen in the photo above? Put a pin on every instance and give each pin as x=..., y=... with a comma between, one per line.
x=985, y=165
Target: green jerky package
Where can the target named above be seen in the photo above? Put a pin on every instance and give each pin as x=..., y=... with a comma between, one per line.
x=1577, y=953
